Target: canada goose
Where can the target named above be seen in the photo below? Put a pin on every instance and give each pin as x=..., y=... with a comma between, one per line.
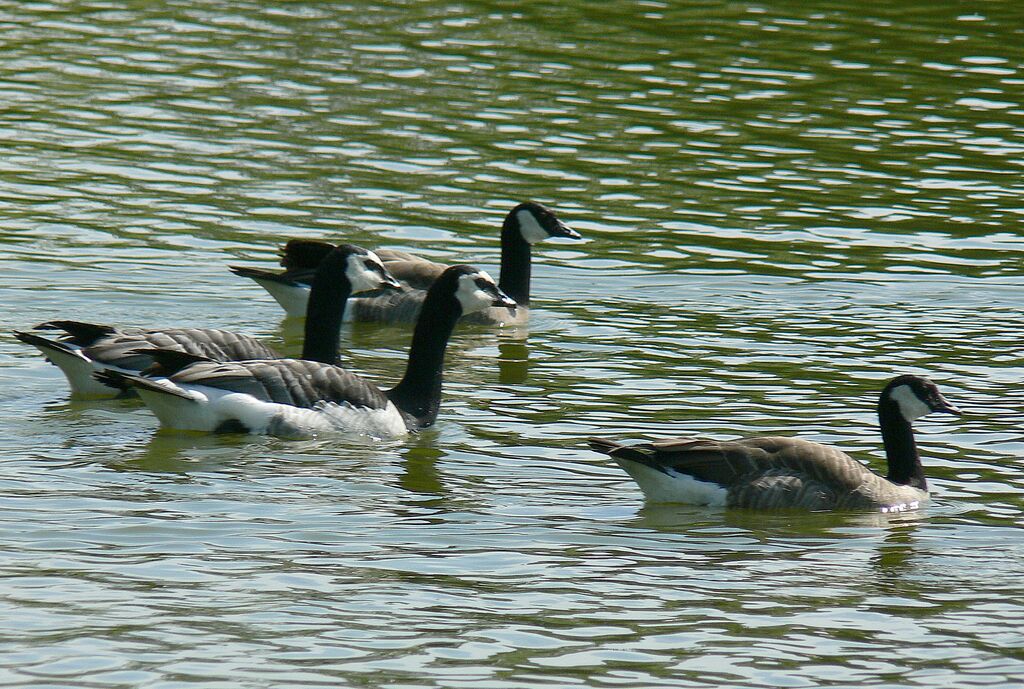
x=292, y=397
x=524, y=225
x=776, y=472
x=86, y=348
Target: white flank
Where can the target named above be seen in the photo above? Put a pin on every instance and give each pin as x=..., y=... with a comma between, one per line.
x=79, y=370
x=377, y=423
x=658, y=486
x=470, y=295
x=291, y=298
x=911, y=406
x=529, y=227
x=210, y=408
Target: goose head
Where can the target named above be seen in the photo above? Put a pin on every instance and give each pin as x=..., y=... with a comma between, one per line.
x=474, y=289
x=537, y=222
x=365, y=271
x=915, y=396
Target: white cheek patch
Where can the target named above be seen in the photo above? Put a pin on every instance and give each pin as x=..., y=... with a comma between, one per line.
x=362, y=278
x=911, y=406
x=471, y=297
x=529, y=227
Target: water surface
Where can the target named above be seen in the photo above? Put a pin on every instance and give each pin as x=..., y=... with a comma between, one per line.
x=783, y=207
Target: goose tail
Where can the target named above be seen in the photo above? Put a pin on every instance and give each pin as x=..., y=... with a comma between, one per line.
x=128, y=381
x=660, y=482
x=175, y=407
x=260, y=275
x=49, y=347
x=290, y=294
x=602, y=445
x=304, y=253
x=79, y=333
x=76, y=366
x=620, y=451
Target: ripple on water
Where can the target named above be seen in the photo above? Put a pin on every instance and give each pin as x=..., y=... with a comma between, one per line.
x=782, y=208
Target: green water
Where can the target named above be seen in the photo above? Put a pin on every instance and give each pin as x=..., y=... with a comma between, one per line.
x=783, y=206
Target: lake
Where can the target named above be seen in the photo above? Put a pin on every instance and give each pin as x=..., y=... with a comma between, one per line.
x=782, y=207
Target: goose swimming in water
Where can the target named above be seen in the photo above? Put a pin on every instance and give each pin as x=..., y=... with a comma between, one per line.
x=86, y=348
x=779, y=472
x=526, y=224
x=296, y=398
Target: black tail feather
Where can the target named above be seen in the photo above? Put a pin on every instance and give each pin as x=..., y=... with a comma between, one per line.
x=616, y=450
x=261, y=274
x=43, y=342
x=114, y=379
x=79, y=333
x=603, y=446
x=167, y=362
x=128, y=381
x=304, y=253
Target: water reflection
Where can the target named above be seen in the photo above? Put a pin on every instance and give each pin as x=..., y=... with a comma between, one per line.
x=783, y=526
x=513, y=358
x=420, y=472
x=894, y=559
x=174, y=452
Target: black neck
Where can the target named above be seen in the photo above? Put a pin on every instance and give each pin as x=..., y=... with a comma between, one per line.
x=514, y=279
x=326, y=309
x=900, y=448
x=418, y=394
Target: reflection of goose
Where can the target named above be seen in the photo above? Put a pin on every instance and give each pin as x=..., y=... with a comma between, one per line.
x=86, y=348
x=524, y=225
x=293, y=397
x=421, y=474
x=772, y=472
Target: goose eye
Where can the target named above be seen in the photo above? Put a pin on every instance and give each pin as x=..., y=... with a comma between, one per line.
x=482, y=283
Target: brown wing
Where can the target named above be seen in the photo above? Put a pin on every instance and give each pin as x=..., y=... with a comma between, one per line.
x=719, y=462
x=390, y=307
x=294, y=382
x=778, y=488
x=121, y=347
x=387, y=255
x=417, y=274
x=728, y=462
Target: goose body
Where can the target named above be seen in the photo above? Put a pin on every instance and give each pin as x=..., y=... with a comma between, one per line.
x=281, y=397
x=524, y=225
x=85, y=349
x=781, y=472
x=293, y=397
x=88, y=348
